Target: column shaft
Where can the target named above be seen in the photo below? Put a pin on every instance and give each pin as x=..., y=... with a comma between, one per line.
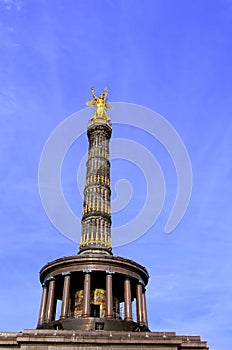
x=127, y=300
x=50, y=301
x=43, y=304
x=65, y=297
x=139, y=303
x=109, y=296
x=86, y=298
x=144, y=307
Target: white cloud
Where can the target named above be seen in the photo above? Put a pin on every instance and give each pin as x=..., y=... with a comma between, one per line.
x=11, y=4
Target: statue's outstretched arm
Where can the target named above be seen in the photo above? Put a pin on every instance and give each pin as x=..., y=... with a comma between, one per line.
x=106, y=93
x=93, y=90
x=92, y=102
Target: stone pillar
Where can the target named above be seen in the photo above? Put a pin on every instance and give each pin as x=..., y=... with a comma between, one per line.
x=43, y=305
x=109, y=295
x=127, y=300
x=50, y=300
x=144, y=306
x=139, y=303
x=86, y=298
x=65, y=296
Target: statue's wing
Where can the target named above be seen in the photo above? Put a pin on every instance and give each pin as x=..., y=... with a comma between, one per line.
x=90, y=103
x=108, y=105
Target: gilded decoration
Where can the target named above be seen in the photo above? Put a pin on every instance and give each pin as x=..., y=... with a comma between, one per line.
x=98, y=297
x=100, y=104
x=78, y=302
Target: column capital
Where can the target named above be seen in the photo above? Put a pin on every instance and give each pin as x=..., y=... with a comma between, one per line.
x=50, y=279
x=108, y=272
x=127, y=277
x=141, y=283
x=44, y=285
x=87, y=271
x=66, y=274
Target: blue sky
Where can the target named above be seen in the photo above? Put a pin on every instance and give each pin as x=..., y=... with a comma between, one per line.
x=173, y=57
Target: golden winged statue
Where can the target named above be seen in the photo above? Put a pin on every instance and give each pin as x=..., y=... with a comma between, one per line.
x=100, y=104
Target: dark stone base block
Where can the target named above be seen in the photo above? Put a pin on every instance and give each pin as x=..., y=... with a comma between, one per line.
x=101, y=340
